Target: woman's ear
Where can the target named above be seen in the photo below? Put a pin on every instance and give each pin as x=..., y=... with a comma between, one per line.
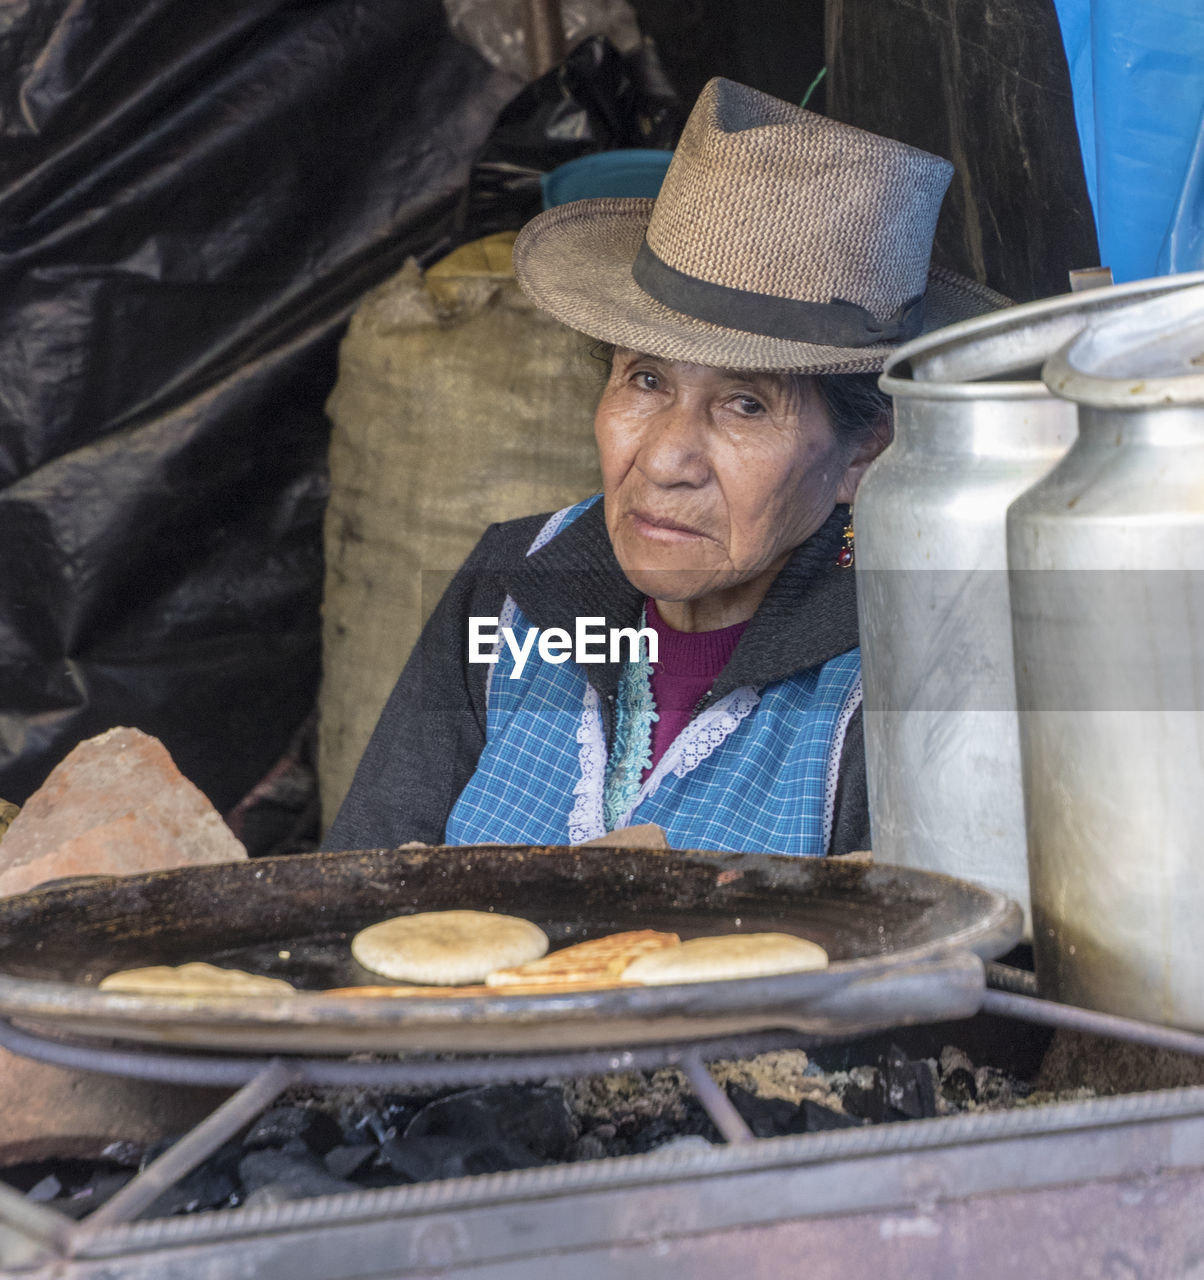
x=872, y=444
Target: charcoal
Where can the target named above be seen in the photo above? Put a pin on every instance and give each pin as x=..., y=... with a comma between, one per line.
x=952, y=1059
x=928, y=1081
x=685, y=1142
x=589, y=1147
x=128, y=1155
x=656, y=1132
x=910, y=1086
x=212, y=1186
x=775, y=1117
x=499, y=1155
x=816, y=1118
x=369, y=1125
x=156, y=1149
x=94, y=1193
x=427, y=1158
x=347, y=1161
x=372, y=1179
x=45, y=1190
x=959, y=1087
x=766, y=1117
x=534, y=1117
x=384, y=1118
x=601, y=1141
x=310, y=1146
x=996, y=1088
x=51, y=1181
x=289, y=1175
x=865, y=1097
x=957, y=1083
x=281, y=1126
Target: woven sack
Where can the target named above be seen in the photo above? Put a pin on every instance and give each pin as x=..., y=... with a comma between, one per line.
x=457, y=404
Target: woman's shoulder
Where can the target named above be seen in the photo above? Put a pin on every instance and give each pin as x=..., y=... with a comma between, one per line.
x=512, y=540
x=509, y=539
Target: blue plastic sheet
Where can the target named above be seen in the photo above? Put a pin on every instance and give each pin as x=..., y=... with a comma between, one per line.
x=1137, y=71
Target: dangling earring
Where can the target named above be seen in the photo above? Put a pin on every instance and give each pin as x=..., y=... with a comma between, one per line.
x=844, y=557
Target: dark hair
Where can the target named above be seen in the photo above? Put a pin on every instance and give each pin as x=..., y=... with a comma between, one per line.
x=856, y=407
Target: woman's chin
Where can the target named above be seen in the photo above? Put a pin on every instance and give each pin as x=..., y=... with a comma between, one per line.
x=671, y=584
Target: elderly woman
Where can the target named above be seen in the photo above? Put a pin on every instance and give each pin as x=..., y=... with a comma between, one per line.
x=744, y=313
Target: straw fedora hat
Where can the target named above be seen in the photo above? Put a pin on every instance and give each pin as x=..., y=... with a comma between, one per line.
x=780, y=240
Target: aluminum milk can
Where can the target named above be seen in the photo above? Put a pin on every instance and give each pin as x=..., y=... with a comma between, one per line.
x=974, y=428
x=1106, y=560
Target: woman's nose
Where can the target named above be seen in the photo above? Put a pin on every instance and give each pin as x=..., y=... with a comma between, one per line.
x=673, y=451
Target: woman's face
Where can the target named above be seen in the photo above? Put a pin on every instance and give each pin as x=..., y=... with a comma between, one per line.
x=711, y=478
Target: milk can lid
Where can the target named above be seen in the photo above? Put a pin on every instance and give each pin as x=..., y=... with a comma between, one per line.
x=1149, y=353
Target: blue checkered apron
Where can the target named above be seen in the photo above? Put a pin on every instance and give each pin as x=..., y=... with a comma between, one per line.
x=755, y=771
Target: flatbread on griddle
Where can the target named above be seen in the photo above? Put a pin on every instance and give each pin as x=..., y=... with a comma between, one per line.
x=735, y=955
x=194, y=979
x=447, y=948
x=480, y=989
x=598, y=961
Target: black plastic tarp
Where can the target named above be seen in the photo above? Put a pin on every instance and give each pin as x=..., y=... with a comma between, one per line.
x=192, y=198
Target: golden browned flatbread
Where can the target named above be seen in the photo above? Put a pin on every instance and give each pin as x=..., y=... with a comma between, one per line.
x=598, y=960
x=480, y=989
x=195, y=979
x=447, y=948
x=735, y=955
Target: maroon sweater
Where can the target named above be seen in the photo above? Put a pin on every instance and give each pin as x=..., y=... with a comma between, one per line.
x=688, y=663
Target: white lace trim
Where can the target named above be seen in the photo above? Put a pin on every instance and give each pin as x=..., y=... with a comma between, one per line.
x=832, y=778
x=506, y=618
x=698, y=740
x=585, y=819
x=709, y=734
x=549, y=530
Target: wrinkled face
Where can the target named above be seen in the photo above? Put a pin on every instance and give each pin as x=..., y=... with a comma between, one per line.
x=711, y=478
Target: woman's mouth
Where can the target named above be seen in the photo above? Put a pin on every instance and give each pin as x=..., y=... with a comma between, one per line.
x=664, y=528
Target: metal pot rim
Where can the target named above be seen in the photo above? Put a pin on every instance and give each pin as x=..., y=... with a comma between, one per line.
x=1022, y=318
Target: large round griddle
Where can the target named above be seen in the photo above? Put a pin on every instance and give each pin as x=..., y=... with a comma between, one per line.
x=905, y=946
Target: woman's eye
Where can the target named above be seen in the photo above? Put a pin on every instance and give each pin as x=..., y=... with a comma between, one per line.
x=646, y=380
x=749, y=406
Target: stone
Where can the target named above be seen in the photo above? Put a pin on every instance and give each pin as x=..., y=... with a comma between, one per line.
x=117, y=805
x=52, y=1112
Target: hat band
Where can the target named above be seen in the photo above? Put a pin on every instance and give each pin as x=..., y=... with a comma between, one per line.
x=832, y=324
